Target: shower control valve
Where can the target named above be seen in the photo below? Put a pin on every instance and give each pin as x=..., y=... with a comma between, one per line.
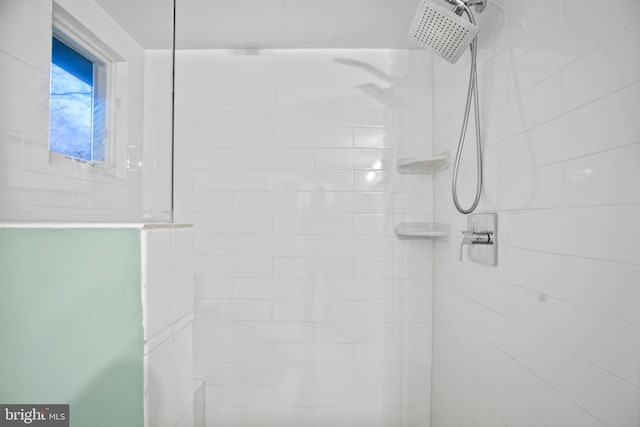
x=481, y=238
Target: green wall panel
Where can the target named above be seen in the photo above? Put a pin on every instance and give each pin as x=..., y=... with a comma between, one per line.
x=71, y=322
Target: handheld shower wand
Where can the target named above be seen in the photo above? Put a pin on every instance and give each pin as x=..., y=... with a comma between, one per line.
x=448, y=34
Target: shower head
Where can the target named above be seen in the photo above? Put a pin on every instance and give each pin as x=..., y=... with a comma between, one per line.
x=442, y=30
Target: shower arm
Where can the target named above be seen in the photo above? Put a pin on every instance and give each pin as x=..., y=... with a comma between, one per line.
x=479, y=4
x=460, y=5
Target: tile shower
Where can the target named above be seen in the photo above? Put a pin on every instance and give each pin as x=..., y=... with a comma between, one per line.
x=308, y=309
x=551, y=336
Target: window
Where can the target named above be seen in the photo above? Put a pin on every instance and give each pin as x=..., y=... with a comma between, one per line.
x=77, y=106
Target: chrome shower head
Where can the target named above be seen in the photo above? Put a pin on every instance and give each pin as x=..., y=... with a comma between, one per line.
x=442, y=30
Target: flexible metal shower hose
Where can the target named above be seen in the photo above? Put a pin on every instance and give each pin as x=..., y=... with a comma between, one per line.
x=471, y=92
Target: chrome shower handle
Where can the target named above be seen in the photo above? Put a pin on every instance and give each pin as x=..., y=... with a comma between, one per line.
x=471, y=237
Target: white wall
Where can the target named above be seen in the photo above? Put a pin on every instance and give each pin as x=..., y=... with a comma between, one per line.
x=33, y=184
x=551, y=336
x=308, y=310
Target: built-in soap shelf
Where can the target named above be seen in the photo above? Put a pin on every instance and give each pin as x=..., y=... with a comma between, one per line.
x=422, y=230
x=423, y=165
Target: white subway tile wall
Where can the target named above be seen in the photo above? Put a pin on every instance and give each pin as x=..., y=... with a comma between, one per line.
x=551, y=336
x=167, y=292
x=309, y=311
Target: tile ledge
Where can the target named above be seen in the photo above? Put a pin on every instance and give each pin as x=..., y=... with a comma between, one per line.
x=68, y=225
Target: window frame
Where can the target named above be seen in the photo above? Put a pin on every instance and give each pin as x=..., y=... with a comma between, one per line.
x=73, y=34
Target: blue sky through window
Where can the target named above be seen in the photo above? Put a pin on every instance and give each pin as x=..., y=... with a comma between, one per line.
x=72, y=104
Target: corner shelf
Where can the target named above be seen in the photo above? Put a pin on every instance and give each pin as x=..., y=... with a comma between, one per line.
x=426, y=165
x=422, y=230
